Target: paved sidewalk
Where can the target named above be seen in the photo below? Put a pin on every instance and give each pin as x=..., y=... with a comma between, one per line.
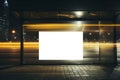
x=5, y=66
x=60, y=72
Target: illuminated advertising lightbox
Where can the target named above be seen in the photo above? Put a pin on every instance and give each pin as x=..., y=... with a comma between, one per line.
x=60, y=45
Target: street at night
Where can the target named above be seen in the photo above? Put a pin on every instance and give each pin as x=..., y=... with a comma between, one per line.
x=59, y=40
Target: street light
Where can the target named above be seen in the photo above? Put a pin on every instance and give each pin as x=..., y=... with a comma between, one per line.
x=13, y=31
x=79, y=13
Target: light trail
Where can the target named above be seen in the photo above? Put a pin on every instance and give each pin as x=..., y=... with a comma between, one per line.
x=49, y=26
x=4, y=45
x=36, y=44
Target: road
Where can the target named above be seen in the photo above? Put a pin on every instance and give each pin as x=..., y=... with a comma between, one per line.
x=10, y=53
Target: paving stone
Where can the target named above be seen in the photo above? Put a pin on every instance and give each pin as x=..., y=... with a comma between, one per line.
x=60, y=72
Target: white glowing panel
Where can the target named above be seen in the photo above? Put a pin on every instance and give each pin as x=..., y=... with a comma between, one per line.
x=61, y=45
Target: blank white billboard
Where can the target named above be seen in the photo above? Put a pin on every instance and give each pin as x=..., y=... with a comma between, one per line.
x=60, y=45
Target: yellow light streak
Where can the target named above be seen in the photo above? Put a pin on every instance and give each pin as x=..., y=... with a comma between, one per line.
x=36, y=44
x=97, y=44
x=68, y=24
x=4, y=45
x=64, y=25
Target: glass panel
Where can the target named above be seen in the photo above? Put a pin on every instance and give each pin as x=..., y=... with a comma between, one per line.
x=91, y=43
x=90, y=37
x=107, y=51
x=30, y=46
x=98, y=35
x=31, y=49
